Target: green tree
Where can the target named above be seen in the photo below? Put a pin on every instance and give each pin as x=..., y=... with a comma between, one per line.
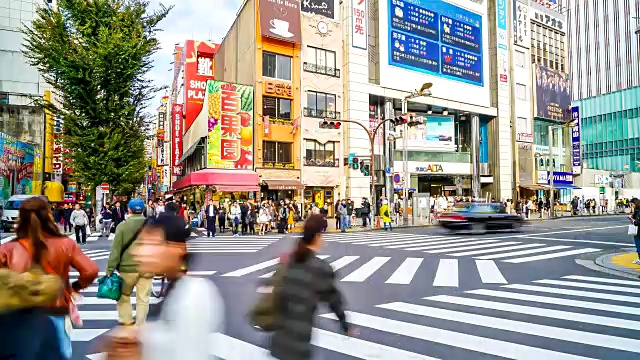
x=96, y=56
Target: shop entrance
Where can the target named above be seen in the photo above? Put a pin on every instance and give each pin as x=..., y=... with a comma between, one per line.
x=445, y=185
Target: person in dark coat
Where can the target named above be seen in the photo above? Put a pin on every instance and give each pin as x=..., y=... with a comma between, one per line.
x=307, y=281
x=222, y=218
x=211, y=213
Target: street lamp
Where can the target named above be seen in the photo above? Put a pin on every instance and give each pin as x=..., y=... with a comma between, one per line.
x=425, y=90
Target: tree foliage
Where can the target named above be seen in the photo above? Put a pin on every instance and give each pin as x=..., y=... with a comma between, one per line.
x=96, y=56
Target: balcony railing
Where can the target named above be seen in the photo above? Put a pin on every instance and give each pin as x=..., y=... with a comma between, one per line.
x=320, y=163
x=323, y=70
x=320, y=113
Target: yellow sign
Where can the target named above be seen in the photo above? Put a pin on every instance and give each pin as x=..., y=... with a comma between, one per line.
x=278, y=88
x=48, y=161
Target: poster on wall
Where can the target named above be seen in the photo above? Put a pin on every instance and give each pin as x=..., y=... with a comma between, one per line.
x=24, y=173
x=437, y=132
x=436, y=38
x=553, y=93
x=319, y=7
x=576, y=157
x=176, y=139
x=359, y=27
x=229, y=112
x=280, y=20
x=521, y=24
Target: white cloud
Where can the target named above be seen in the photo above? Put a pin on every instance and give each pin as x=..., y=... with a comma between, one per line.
x=189, y=19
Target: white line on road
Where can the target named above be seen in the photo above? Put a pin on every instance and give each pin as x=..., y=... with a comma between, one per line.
x=447, y=273
x=405, y=272
x=576, y=240
x=494, y=250
x=489, y=272
x=343, y=261
x=589, y=294
x=432, y=244
x=366, y=270
x=253, y=268
x=552, y=255
x=491, y=245
x=410, y=243
x=553, y=232
x=606, y=280
x=523, y=252
x=589, y=286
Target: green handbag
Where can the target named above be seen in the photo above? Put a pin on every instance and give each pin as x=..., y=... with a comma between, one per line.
x=263, y=313
x=110, y=287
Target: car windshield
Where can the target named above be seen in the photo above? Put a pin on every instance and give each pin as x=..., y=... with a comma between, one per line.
x=483, y=208
x=12, y=205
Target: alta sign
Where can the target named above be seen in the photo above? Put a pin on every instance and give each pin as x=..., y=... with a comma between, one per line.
x=431, y=168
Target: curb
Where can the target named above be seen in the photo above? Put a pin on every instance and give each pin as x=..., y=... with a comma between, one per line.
x=605, y=262
x=574, y=217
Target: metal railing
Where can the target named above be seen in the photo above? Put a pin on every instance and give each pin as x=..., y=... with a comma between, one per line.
x=320, y=113
x=318, y=69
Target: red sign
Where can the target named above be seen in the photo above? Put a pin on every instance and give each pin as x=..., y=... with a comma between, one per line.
x=25, y=171
x=198, y=68
x=104, y=187
x=176, y=125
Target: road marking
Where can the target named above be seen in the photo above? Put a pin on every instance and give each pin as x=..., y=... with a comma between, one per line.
x=224, y=251
x=523, y=252
x=447, y=273
x=558, y=301
x=405, y=272
x=493, y=250
x=86, y=334
x=552, y=255
x=430, y=244
x=606, y=280
x=343, y=261
x=589, y=294
x=404, y=242
x=589, y=286
x=557, y=232
x=500, y=243
x=520, y=327
x=92, y=300
x=411, y=243
x=542, y=312
x=270, y=274
x=575, y=240
x=366, y=270
x=253, y=268
x=489, y=272
x=484, y=345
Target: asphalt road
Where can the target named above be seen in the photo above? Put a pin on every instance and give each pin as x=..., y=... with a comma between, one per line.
x=423, y=293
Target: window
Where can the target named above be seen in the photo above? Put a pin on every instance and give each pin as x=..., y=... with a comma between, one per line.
x=320, y=105
x=317, y=154
x=321, y=61
x=521, y=92
x=520, y=59
x=277, y=152
x=276, y=108
x=276, y=66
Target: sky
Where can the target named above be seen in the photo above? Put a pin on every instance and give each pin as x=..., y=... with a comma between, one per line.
x=189, y=19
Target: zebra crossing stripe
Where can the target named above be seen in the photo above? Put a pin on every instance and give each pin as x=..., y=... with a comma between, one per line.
x=589, y=286
x=588, y=294
x=405, y=273
x=343, y=261
x=536, y=311
x=552, y=255
x=366, y=270
x=423, y=246
x=557, y=301
x=480, y=344
x=606, y=280
x=489, y=272
x=411, y=243
x=484, y=246
x=86, y=334
x=446, y=247
x=523, y=252
x=493, y=250
x=447, y=273
x=521, y=327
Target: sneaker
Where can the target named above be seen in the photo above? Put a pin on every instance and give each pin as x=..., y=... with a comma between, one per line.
x=637, y=262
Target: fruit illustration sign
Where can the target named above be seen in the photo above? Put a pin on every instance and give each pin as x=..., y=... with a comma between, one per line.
x=198, y=69
x=230, y=114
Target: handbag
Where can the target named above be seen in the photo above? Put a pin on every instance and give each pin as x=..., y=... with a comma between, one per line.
x=263, y=314
x=632, y=230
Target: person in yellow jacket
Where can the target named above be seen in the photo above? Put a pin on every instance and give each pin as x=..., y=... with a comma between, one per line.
x=385, y=213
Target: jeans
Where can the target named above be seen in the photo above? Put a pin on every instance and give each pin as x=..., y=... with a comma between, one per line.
x=106, y=226
x=390, y=227
x=64, y=341
x=344, y=222
x=236, y=222
x=29, y=335
x=81, y=230
x=636, y=239
x=364, y=220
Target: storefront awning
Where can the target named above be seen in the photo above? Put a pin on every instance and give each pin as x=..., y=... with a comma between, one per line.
x=223, y=180
x=283, y=184
x=564, y=186
x=534, y=187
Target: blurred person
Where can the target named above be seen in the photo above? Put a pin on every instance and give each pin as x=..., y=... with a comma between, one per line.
x=107, y=218
x=79, y=220
x=252, y=219
x=244, y=211
x=126, y=234
x=118, y=214
x=343, y=211
x=211, y=213
x=160, y=207
x=39, y=243
x=67, y=218
x=366, y=210
x=263, y=218
x=222, y=218
x=635, y=220
x=307, y=281
x=192, y=308
x=386, y=215
x=150, y=210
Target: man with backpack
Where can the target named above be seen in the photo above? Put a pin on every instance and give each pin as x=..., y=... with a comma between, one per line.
x=121, y=259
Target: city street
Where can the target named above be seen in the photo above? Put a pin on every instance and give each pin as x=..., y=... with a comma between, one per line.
x=422, y=293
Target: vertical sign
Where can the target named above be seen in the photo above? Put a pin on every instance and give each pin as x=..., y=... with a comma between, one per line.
x=176, y=152
x=359, y=31
x=58, y=151
x=521, y=24
x=503, y=47
x=575, y=140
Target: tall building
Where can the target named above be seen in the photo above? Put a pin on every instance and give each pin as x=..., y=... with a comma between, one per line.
x=605, y=68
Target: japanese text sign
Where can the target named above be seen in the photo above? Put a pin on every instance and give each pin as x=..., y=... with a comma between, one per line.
x=359, y=31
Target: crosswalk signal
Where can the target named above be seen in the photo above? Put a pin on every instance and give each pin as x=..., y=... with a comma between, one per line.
x=330, y=125
x=399, y=120
x=355, y=163
x=366, y=170
x=361, y=165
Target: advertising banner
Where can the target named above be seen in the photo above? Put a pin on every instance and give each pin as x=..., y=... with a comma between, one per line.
x=230, y=119
x=559, y=178
x=553, y=90
x=576, y=159
x=359, y=27
x=437, y=133
x=58, y=151
x=319, y=7
x=176, y=138
x=24, y=174
x=162, y=156
x=521, y=24
x=16, y=167
x=436, y=38
x=198, y=68
x=280, y=20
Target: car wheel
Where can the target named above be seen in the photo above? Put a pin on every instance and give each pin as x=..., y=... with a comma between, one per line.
x=478, y=228
x=516, y=226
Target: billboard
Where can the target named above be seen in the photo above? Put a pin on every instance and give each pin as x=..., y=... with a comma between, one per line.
x=437, y=132
x=198, y=69
x=576, y=158
x=230, y=125
x=431, y=40
x=176, y=138
x=16, y=167
x=280, y=20
x=553, y=93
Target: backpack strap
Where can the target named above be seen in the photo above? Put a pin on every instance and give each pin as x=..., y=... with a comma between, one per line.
x=46, y=267
x=131, y=241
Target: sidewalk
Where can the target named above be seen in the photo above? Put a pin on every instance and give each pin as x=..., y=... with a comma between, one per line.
x=621, y=261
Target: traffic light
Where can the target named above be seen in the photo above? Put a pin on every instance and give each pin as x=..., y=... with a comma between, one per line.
x=355, y=163
x=399, y=120
x=330, y=125
x=361, y=165
x=366, y=170
x=415, y=120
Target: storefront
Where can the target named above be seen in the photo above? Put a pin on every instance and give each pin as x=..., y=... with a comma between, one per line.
x=321, y=186
x=220, y=185
x=562, y=185
x=441, y=178
x=280, y=190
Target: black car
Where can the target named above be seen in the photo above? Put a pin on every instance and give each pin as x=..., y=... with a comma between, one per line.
x=479, y=218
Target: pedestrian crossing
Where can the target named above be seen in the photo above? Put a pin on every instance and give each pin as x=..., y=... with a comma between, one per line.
x=513, y=321
x=396, y=271
x=507, y=250
x=97, y=254
x=98, y=236
x=230, y=243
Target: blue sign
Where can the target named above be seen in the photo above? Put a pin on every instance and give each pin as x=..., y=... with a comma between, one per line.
x=396, y=178
x=436, y=38
x=561, y=178
x=351, y=156
x=575, y=139
x=501, y=7
x=388, y=171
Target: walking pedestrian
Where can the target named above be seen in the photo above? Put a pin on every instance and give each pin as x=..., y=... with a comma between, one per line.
x=343, y=212
x=39, y=243
x=222, y=218
x=234, y=215
x=306, y=282
x=211, y=213
x=365, y=211
x=79, y=220
x=107, y=218
x=67, y=218
x=386, y=215
x=635, y=220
